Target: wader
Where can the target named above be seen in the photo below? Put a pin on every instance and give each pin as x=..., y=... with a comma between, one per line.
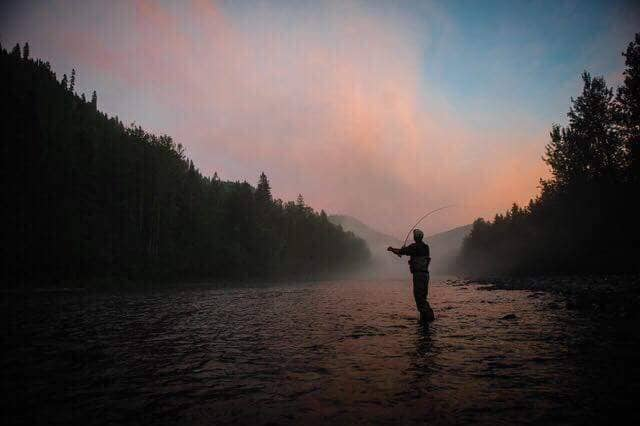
x=420, y=269
x=420, y=291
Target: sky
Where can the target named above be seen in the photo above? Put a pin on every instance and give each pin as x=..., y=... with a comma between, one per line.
x=379, y=110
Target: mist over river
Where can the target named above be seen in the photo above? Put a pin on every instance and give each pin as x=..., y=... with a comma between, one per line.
x=325, y=352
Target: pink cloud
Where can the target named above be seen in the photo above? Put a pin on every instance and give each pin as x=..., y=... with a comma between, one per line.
x=339, y=115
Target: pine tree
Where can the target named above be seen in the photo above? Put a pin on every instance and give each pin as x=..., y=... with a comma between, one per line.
x=263, y=190
x=64, y=83
x=72, y=82
x=94, y=100
x=16, y=51
x=25, y=51
x=628, y=98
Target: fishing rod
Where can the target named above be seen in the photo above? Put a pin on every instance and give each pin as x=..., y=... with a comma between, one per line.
x=424, y=217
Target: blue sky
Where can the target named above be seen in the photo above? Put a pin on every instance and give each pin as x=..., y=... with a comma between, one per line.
x=530, y=54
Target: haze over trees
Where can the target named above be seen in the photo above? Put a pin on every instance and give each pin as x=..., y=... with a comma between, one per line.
x=88, y=197
x=585, y=219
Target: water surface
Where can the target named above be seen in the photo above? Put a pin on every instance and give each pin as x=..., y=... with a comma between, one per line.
x=339, y=352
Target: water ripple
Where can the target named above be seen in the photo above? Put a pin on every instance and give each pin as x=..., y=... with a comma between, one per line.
x=342, y=352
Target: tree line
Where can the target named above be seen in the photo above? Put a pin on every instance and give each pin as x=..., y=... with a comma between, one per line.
x=90, y=198
x=585, y=219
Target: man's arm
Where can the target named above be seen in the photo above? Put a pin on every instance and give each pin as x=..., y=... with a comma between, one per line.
x=395, y=251
x=400, y=251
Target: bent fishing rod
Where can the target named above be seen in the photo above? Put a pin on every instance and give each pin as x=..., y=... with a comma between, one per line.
x=424, y=217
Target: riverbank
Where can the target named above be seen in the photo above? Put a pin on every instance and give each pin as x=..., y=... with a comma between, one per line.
x=613, y=295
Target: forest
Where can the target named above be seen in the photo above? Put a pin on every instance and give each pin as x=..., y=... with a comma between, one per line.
x=585, y=218
x=89, y=199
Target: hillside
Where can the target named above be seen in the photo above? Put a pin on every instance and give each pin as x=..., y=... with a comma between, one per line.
x=90, y=199
x=372, y=236
x=383, y=264
x=445, y=248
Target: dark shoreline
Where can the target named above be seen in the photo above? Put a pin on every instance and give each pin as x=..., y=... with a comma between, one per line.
x=609, y=295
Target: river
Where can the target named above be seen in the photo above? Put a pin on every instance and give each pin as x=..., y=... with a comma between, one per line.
x=338, y=352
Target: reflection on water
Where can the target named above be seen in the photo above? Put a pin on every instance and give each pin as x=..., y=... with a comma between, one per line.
x=341, y=352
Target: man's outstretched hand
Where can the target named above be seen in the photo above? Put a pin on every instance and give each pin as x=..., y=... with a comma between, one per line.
x=394, y=251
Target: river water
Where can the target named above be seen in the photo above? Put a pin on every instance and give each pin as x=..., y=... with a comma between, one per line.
x=339, y=352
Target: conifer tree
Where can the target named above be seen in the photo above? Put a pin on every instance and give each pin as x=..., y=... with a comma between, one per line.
x=94, y=99
x=72, y=82
x=590, y=146
x=263, y=190
x=628, y=98
x=25, y=51
x=16, y=51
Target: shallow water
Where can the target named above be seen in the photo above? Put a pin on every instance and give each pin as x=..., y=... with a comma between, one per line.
x=339, y=352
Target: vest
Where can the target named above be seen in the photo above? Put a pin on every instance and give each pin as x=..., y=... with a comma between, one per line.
x=419, y=264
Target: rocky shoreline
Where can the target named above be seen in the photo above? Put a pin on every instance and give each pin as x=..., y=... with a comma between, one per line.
x=612, y=295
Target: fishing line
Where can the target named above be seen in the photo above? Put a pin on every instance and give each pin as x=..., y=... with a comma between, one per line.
x=424, y=217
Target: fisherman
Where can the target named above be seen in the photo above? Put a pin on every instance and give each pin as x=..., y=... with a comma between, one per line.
x=419, y=266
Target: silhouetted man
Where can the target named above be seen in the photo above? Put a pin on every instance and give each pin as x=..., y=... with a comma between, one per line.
x=419, y=266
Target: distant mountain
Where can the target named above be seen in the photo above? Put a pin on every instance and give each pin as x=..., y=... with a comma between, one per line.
x=383, y=263
x=444, y=246
x=367, y=233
